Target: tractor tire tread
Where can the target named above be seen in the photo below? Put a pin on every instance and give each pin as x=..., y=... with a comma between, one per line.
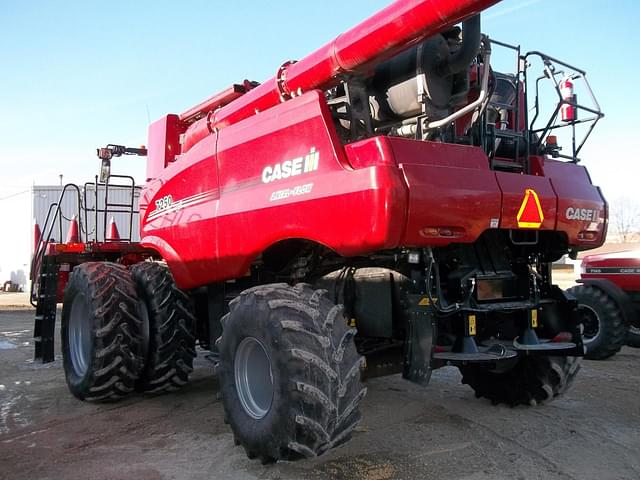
x=322, y=391
x=116, y=360
x=171, y=347
x=612, y=324
x=534, y=380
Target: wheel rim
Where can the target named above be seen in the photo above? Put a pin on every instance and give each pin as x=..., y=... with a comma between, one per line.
x=80, y=333
x=591, y=322
x=254, y=378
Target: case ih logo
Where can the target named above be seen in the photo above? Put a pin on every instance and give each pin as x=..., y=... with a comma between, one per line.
x=581, y=214
x=530, y=214
x=291, y=168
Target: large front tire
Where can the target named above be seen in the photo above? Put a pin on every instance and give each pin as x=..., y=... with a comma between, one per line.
x=533, y=380
x=102, y=332
x=289, y=372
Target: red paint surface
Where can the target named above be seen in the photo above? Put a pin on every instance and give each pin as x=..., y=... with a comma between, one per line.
x=450, y=186
x=629, y=281
x=572, y=186
x=514, y=186
x=163, y=144
x=208, y=211
x=376, y=194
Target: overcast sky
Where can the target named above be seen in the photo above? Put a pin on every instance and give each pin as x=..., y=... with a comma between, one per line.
x=80, y=74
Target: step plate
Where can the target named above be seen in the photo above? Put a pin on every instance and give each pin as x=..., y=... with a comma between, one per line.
x=544, y=347
x=475, y=357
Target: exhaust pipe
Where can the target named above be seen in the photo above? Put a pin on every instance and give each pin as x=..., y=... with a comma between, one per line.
x=468, y=50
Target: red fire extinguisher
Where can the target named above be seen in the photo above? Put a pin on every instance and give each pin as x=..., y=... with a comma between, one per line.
x=568, y=113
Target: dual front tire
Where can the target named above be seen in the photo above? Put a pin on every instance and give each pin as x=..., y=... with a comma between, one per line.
x=125, y=330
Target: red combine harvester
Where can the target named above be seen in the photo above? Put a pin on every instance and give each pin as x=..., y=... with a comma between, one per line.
x=384, y=205
x=609, y=302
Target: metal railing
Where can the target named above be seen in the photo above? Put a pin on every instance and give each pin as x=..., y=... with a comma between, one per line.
x=55, y=216
x=552, y=72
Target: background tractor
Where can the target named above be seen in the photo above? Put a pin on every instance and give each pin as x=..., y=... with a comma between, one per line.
x=609, y=302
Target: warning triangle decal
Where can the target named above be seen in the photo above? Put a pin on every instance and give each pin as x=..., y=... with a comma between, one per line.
x=530, y=214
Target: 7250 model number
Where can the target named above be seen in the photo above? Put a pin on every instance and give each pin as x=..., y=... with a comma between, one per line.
x=164, y=203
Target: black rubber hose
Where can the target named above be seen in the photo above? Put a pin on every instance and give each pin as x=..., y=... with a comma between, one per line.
x=471, y=37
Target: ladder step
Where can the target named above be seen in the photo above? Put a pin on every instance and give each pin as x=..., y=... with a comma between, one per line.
x=490, y=354
x=45, y=317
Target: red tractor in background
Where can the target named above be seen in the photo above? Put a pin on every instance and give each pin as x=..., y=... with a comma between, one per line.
x=609, y=302
x=384, y=205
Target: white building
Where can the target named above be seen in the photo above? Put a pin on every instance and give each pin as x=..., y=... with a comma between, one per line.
x=22, y=208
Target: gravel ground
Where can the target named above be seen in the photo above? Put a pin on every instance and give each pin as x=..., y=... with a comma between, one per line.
x=407, y=432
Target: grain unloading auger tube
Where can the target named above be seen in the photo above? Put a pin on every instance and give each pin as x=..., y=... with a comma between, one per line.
x=380, y=37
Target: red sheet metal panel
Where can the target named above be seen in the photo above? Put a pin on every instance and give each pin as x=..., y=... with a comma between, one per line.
x=582, y=212
x=453, y=196
x=514, y=189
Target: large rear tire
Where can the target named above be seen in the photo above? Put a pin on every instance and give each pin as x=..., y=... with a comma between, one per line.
x=289, y=372
x=603, y=322
x=102, y=332
x=533, y=380
x=171, y=342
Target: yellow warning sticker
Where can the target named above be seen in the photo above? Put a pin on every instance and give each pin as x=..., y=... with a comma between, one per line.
x=424, y=301
x=472, y=325
x=534, y=318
